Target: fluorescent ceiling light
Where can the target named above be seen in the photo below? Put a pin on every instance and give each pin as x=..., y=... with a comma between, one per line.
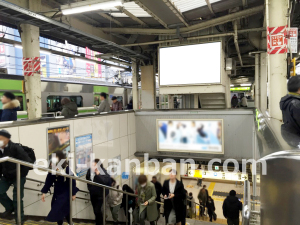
x=246, y=85
x=18, y=46
x=114, y=67
x=86, y=6
x=45, y=52
x=231, y=85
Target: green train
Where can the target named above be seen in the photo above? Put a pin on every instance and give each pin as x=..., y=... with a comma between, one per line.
x=82, y=91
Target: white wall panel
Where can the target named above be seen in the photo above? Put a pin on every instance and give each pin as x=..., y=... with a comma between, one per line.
x=99, y=126
x=14, y=131
x=123, y=124
x=131, y=123
x=132, y=144
x=113, y=127
x=35, y=136
x=82, y=126
x=101, y=152
x=113, y=148
x=124, y=147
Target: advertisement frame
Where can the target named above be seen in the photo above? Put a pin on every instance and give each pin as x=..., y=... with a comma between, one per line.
x=47, y=138
x=75, y=162
x=172, y=150
x=192, y=84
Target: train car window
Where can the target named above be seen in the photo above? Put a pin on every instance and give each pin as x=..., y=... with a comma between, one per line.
x=54, y=102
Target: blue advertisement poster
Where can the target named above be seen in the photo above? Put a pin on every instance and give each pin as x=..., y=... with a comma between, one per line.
x=83, y=151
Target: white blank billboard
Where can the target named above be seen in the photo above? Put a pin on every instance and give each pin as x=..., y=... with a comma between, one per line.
x=190, y=64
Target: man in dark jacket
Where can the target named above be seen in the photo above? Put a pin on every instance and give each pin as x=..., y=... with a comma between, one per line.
x=290, y=107
x=10, y=107
x=231, y=208
x=116, y=105
x=69, y=108
x=158, y=188
x=8, y=174
x=98, y=175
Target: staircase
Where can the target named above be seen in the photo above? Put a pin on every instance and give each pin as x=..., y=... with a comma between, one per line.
x=30, y=222
x=212, y=101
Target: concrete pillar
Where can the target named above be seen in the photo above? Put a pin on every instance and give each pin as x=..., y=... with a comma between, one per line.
x=148, y=88
x=135, y=88
x=171, y=101
x=257, y=81
x=276, y=11
x=31, y=49
x=263, y=82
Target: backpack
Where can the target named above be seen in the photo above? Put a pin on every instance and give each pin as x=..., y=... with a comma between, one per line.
x=30, y=153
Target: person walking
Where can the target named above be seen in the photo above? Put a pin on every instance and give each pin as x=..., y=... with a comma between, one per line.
x=158, y=188
x=211, y=208
x=202, y=196
x=98, y=175
x=130, y=203
x=8, y=175
x=205, y=208
x=234, y=101
x=231, y=208
x=191, y=205
x=174, y=195
x=116, y=105
x=10, y=107
x=60, y=204
x=244, y=101
x=69, y=109
x=290, y=107
x=115, y=200
x=146, y=201
x=104, y=105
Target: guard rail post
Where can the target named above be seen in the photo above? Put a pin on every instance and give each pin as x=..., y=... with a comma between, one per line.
x=71, y=199
x=104, y=207
x=19, y=217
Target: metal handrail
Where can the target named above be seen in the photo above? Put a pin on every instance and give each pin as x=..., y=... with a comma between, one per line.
x=34, y=166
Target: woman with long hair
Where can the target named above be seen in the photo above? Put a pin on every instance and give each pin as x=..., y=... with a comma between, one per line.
x=131, y=200
x=174, y=196
x=60, y=204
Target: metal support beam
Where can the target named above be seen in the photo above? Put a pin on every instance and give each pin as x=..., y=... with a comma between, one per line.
x=135, y=88
x=236, y=43
x=176, y=11
x=186, y=30
x=111, y=19
x=133, y=17
x=210, y=8
x=151, y=13
x=196, y=37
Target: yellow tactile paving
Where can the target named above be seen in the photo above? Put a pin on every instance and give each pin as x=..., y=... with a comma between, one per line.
x=211, y=188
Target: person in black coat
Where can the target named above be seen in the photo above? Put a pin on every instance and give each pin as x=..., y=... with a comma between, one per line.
x=290, y=107
x=8, y=174
x=10, y=107
x=211, y=207
x=174, y=195
x=131, y=200
x=231, y=208
x=158, y=189
x=60, y=204
x=99, y=175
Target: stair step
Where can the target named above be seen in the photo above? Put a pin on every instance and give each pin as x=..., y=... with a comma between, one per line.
x=30, y=222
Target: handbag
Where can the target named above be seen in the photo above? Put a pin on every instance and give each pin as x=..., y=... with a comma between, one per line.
x=214, y=216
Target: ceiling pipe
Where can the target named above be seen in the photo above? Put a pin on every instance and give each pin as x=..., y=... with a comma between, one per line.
x=236, y=43
x=195, y=38
x=186, y=30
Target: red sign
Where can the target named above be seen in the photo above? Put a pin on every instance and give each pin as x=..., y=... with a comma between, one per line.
x=31, y=66
x=277, y=41
x=2, y=49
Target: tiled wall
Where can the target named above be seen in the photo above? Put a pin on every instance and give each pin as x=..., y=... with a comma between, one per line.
x=113, y=135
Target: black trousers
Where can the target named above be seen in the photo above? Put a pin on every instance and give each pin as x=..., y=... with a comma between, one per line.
x=61, y=221
x=97, y=206
x=233, y=221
